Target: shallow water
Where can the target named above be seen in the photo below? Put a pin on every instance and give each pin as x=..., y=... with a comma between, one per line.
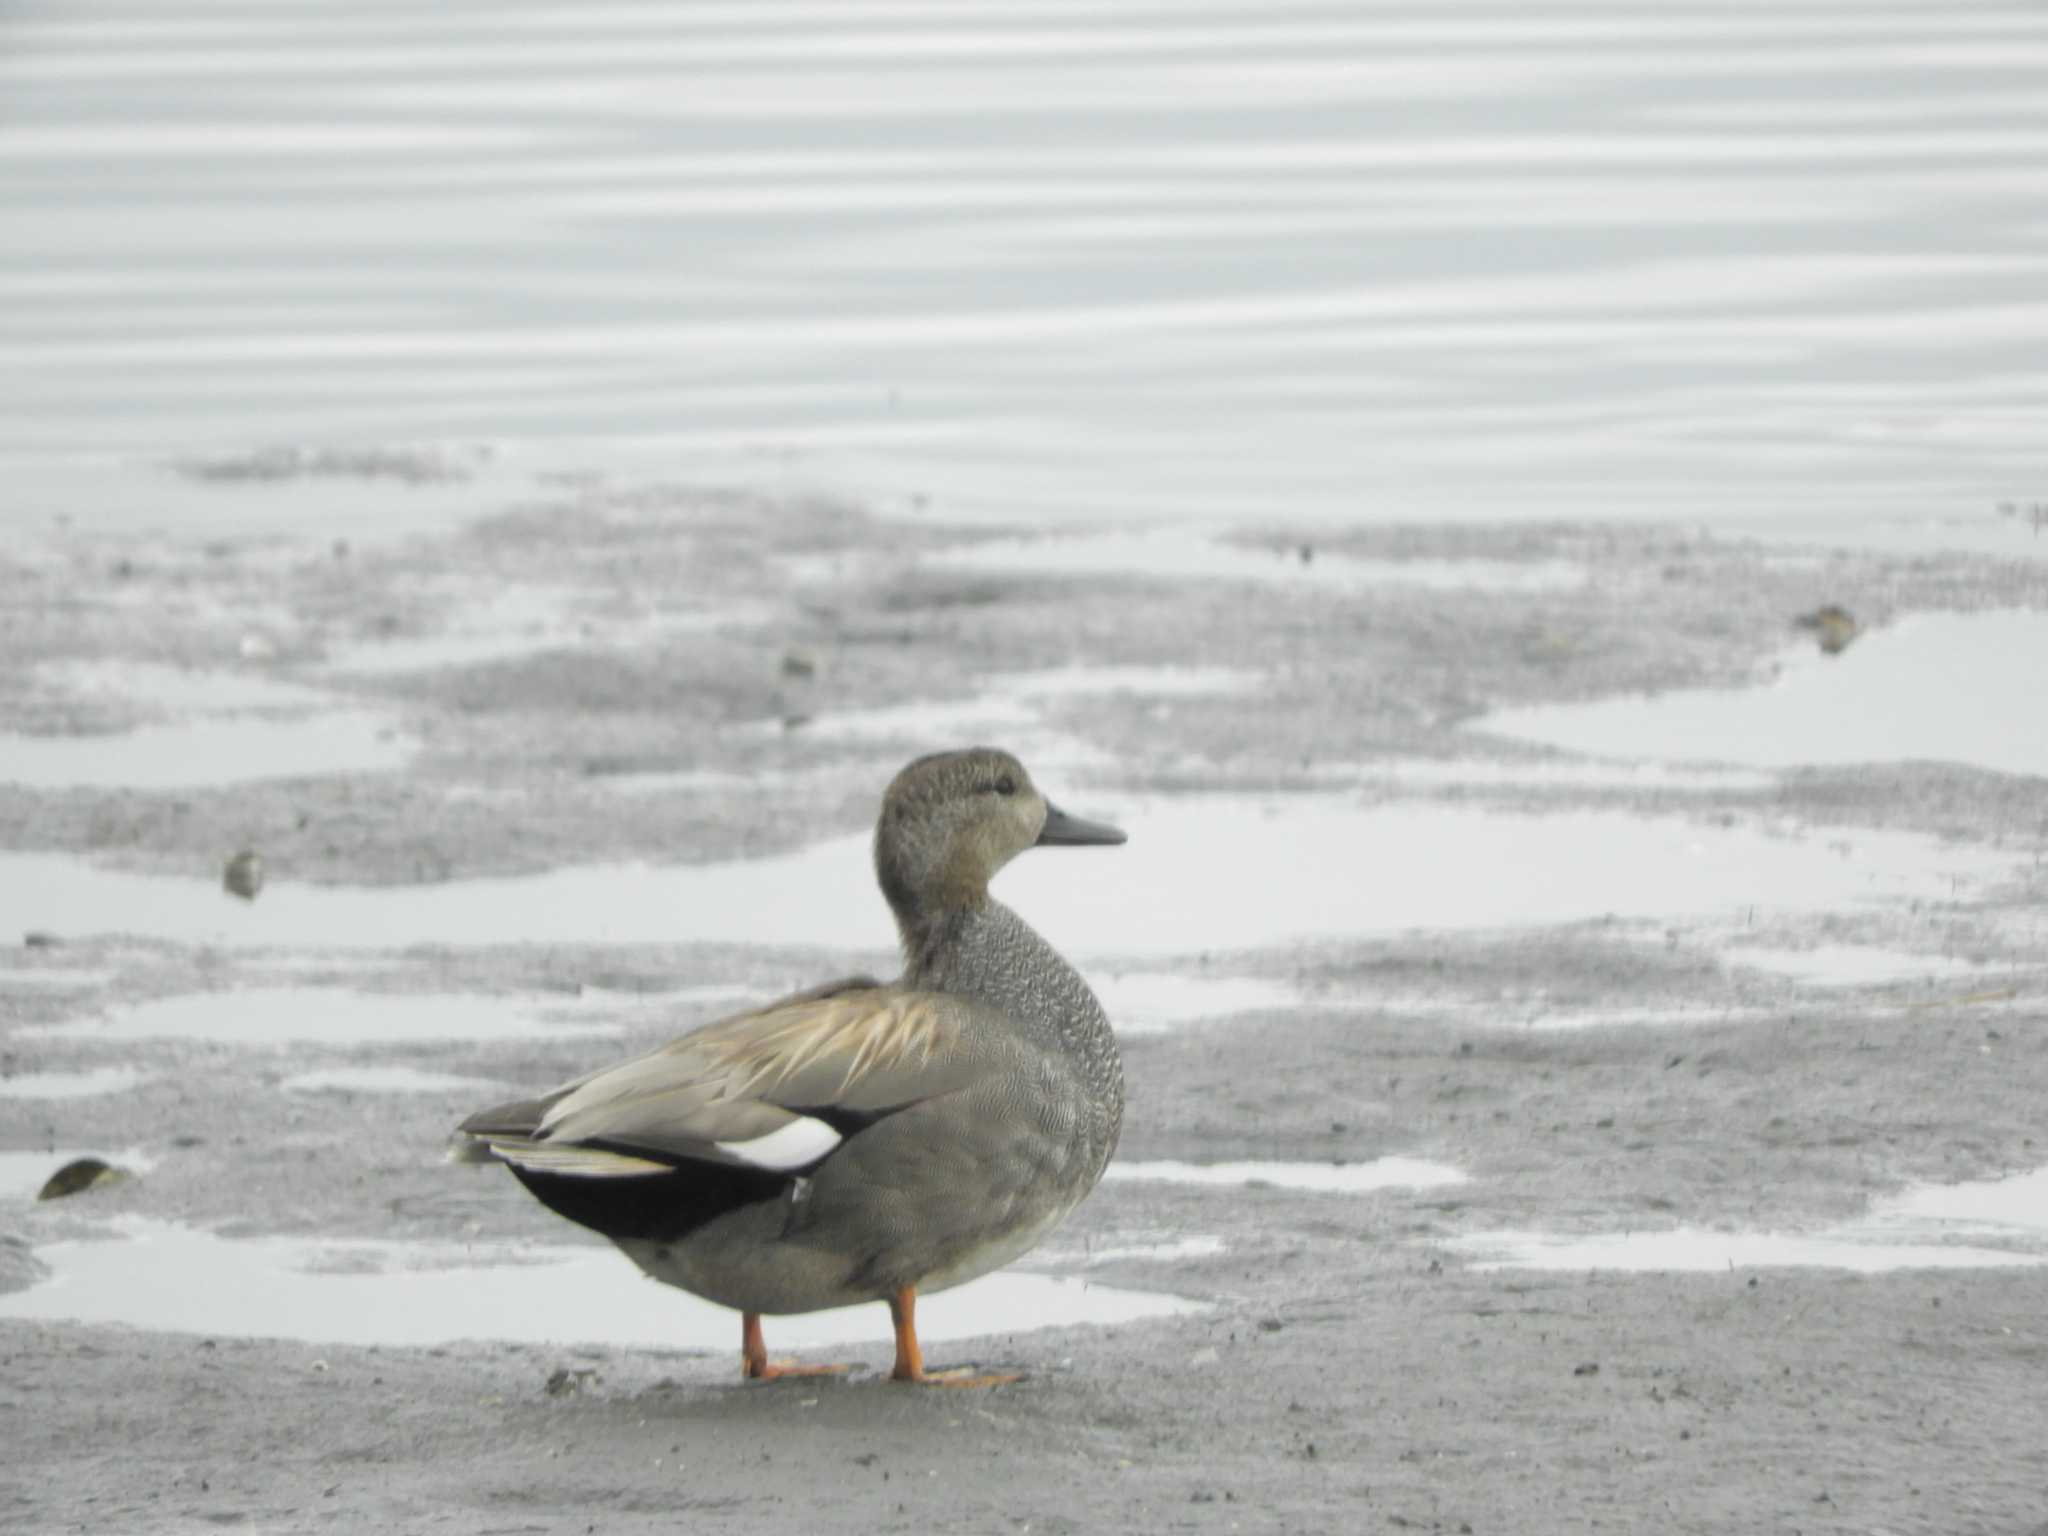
x=1693, y=1249
x=1551, y=773
x=1854, y=965
x=2014, y=1206
x=1323, y=866
x=328, y=1291
x=386, y=1080
x=1165, y=1251
x=1154, y=1003
x=155, y=687
x=1044, y=261
x=199, y=753
x=1918, y=1228
x=1934, y=687
x=317, y=1015
x=70, y=1085
x=1324, y=1178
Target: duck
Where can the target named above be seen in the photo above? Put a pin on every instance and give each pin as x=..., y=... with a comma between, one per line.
x=860, y=1141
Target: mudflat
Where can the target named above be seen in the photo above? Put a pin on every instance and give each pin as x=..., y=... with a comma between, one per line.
x=619, y=682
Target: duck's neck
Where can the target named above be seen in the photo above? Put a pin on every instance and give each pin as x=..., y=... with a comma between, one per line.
x=931, y=900
x=929, y=927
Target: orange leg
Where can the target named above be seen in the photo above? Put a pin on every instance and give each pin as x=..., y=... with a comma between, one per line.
x=910, y=1358
x=754, y=1362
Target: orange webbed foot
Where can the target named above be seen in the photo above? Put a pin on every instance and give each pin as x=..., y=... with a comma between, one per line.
x=755, y=1364
x=910, y=1358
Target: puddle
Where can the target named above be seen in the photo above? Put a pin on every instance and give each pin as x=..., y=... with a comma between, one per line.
x=209, y=752
x=70, y=1085
x=1690, y=1249
x=1147, y=1003
x=1541, y=1017
x=395, y=1294
x=1941, y=687
x=1854, y=965
x=235, y=728
x=1199, y=873
x=1916, y=1229
x=23, y=1173
x=160, y=688
x=1325, y=1178
x=1166, y=1251
x=387, y=1080
x=1176, y=554
x=2015, y=1206
x=1562, y=773
x=1541, y=1014
x=298, y=1016
x=392, y=658
x=1237, y=872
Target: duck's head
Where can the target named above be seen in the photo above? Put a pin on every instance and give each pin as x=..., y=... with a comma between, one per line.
x=951, y=820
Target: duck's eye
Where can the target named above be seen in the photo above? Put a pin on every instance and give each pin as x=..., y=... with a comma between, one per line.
x=1006, y=785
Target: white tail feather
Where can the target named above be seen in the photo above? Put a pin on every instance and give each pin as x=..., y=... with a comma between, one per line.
x=795, y=1145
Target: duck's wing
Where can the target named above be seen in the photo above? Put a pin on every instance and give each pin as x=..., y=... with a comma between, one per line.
x=776, y=1089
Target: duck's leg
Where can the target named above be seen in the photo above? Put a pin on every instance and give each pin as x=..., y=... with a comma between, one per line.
x=910, y=1358
x=754, y=1362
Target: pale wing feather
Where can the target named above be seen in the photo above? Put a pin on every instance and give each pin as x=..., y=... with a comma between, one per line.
x=744, y=1079
x=582, y=1162
x=817, y=993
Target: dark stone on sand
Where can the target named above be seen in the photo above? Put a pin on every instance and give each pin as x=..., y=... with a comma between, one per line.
x=243, y=875
x=80, y=1175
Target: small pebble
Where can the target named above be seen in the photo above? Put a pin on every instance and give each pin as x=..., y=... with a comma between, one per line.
x=243, y=875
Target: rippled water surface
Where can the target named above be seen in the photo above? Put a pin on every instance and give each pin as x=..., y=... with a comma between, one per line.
x=1047, y=260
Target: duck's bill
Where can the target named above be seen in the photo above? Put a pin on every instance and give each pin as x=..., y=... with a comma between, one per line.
x=1062, y=830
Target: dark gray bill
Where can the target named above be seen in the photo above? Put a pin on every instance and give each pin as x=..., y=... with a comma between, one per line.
x=1062, y=830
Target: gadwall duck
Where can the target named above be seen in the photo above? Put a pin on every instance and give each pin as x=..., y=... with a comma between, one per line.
x=861, y=1141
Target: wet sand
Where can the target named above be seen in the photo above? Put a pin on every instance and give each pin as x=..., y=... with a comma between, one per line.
x=674, y=676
